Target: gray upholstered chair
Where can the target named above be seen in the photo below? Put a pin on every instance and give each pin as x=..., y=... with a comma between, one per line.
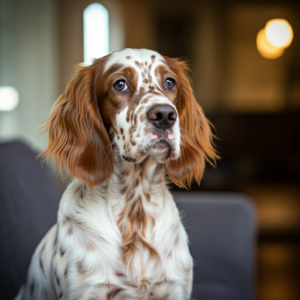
x=222, y=233
x=29, y=201
x=221, y=228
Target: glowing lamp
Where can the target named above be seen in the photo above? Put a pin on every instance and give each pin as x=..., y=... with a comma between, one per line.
x=279, y=33
x=265, y=48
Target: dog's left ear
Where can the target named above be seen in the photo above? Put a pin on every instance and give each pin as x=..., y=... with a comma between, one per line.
x=196, y=136
x=77, y=136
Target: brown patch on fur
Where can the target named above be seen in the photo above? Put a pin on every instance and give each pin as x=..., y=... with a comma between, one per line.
x=118, y=137
x=80, y=267
x=138, y=63
x=123, y=137
x=60, y=295
x=113, y=293
x=122, y=131
x=147, y=197
x=131, y=115
x=120, y=275
x=142, y=118
x=135, y=119
x=197, y=138
x=154, y=92
x=145, y=81
x=128, y=57
x=56, y=237
x=57, y=279
x=110, y=101
x=149, y=70
x=70, y=231
x=66, y=272
x=132, y=130
x=140, y=110
x=62, y=252
x=132, y=224
x=43, y=248
x=128, y=116
x=136, y=183
x=41, y=265
x=79, y=191
x=145, y=100
x=133, y=143
x=162, y=73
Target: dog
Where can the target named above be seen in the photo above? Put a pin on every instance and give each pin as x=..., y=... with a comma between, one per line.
x=121, y=125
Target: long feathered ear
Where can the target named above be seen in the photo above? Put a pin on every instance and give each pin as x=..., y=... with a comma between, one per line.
x=77, y=137
x=196, y=136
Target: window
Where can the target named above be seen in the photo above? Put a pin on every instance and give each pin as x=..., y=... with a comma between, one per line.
x=95, y=32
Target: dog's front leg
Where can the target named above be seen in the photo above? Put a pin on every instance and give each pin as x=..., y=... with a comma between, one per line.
x=171, y=290
x=189, y=285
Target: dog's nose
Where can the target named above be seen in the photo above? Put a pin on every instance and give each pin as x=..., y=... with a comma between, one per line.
x=162, y=116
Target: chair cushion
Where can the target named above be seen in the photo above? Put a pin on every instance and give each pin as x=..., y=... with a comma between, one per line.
x=221, y=229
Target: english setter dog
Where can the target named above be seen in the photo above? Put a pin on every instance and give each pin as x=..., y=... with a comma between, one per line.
x=122, y=123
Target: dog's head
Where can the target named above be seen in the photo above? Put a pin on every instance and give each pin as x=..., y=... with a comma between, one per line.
x=141, y=103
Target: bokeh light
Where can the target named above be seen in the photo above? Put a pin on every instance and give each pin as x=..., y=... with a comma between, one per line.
x=279, y=33
x=265, y=48
x=9, y=98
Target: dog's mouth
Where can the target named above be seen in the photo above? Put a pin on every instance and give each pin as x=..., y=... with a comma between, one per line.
x=129, y=159
x=162, y=147
x=161, y=144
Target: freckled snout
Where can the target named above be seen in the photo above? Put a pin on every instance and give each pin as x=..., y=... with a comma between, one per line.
x=162, y=116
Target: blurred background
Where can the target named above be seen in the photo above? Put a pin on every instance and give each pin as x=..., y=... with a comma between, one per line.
x=246, y=76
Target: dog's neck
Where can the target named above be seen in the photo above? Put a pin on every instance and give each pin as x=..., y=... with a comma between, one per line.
x=128, y=178
x=135, y=198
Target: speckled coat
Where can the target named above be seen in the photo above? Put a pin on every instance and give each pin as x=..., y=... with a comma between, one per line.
x=118, y=234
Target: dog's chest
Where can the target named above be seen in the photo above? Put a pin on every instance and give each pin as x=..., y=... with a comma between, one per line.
x=101, y=268
x=92, y=248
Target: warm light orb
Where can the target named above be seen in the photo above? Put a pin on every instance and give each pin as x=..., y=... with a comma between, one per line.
x=279, y=33
x=9, y=98
x=265, y=48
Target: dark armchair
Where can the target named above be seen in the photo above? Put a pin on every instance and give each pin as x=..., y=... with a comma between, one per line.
x=221, y=228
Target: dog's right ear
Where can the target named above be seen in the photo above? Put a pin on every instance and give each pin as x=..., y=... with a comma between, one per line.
x=77, y=137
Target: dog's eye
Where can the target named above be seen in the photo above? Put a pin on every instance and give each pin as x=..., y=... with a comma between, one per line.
x=120, y=85
x=170, y=83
